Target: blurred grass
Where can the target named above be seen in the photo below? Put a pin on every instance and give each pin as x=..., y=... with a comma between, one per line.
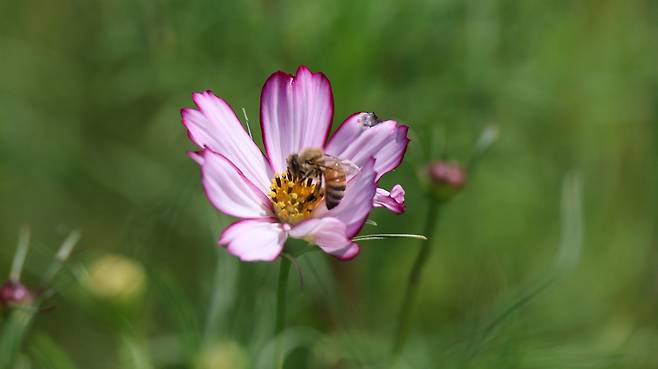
x=90, y=138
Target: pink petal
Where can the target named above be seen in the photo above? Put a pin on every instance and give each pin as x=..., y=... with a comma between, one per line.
x=357, y=202
x=393, y=201
x=349, y=252
x=230, y=191
x=355, y=141
x=295, y=113
x=329, y=234
x=215, y=126
x=254, y=239
x=197, y=156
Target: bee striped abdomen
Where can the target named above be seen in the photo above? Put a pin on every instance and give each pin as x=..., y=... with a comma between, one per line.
x=335, y=181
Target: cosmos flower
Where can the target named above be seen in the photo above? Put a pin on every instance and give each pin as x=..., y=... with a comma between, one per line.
x=296, y=113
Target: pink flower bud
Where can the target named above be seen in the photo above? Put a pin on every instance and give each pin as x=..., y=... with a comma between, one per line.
x=14, y=292
x=446, y=178
x=451, y=174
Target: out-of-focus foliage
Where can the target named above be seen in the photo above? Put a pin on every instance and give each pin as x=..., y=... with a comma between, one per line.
x=90, y=138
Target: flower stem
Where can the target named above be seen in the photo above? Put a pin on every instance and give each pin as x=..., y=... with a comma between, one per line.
x=284, y=271
x=21, y=252
x=402, y=329
x=214, y=310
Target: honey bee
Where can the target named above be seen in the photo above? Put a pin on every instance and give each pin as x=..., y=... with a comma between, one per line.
x=330, y=171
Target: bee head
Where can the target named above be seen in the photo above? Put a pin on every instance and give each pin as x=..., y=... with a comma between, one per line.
x=294, y=164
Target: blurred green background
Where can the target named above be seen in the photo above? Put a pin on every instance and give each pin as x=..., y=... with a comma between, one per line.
x=90, y=139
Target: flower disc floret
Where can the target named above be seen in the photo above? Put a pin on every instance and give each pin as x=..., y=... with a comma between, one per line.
x=293, y=198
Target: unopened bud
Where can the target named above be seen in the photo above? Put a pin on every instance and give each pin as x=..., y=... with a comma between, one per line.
x=15, y=293
x=446, y=179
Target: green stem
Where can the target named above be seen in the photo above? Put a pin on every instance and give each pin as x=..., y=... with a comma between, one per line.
x=404, y=316
x=212, y=316
x=284, y=271
x=14, y=330
x=19, y=256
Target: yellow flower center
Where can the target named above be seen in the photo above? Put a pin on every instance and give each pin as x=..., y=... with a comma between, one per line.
x=294, y=199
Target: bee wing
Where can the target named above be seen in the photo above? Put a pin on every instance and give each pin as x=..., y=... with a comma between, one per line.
x=348, y=167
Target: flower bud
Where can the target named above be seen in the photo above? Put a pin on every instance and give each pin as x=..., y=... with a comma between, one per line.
x=14, y=292
x=115, y=277
x=446, y=179
x=222, y=355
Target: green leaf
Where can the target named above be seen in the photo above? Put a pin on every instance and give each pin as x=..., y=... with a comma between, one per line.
x=46, y=354
x=13, y=332
x=384, y=236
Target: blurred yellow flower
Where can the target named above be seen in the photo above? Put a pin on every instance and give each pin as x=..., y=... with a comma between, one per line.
x=222, y=355
x=116, y=277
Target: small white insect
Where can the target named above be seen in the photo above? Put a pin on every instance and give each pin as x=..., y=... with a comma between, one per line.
x=369, y=119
